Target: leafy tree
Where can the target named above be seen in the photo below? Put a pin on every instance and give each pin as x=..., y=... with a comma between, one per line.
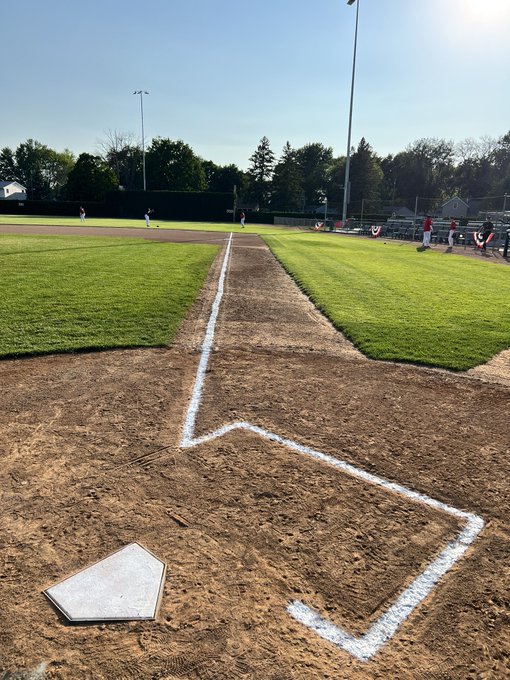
x=260, y=173
x=224, y=177
x=501, y=167
x=286, y=192
x=42, y=170
x=335, y=178
x=425, y=168
x=173, y=166
x=90, y=179
x=57, y=168
x=30, y=158
x=313, y=161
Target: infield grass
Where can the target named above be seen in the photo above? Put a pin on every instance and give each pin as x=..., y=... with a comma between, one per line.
x=396, y=303
x=65, y=293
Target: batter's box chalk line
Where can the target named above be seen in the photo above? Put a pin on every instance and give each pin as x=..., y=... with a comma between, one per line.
x=365, y=646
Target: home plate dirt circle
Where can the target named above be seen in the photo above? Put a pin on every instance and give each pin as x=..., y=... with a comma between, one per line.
x=244, y=503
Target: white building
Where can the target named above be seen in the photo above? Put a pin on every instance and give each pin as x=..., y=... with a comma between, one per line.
x=12, y=191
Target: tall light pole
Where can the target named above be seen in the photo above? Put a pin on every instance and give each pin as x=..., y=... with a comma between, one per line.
x=141, y=93
x=348, y=156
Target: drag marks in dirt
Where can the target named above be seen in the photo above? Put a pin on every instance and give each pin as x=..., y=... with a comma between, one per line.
x=382, y=630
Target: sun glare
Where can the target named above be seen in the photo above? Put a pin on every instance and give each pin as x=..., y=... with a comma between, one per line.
x=485, y=11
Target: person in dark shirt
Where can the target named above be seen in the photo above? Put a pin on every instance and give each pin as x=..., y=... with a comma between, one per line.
x=487, y=229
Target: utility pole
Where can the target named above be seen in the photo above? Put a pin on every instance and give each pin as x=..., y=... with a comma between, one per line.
x=141, y=93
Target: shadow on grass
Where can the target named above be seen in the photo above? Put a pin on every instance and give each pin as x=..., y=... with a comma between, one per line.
x=62, y=250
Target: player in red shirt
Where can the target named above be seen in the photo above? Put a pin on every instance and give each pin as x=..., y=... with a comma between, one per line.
x=427, y=231
x=451, y=233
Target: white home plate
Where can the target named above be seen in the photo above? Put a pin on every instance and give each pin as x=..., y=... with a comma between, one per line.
x=124, y=586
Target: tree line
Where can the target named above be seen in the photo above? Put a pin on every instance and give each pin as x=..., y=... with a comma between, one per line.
x=299, y=179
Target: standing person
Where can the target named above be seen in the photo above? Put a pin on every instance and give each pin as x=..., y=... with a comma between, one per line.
x=82, y=214
x=427, y=231
x=147, y=217
x=451, y=233
x=243, y=218
x=487, y=228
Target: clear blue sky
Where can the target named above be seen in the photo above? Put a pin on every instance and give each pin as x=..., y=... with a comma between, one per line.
x=223, y=73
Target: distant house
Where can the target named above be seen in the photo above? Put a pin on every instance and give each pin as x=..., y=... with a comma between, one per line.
x=12, y=191
x=455, y=207
x=458, y=207
x=396, y=211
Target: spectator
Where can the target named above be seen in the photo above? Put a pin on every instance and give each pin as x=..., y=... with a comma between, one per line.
x=487, y=228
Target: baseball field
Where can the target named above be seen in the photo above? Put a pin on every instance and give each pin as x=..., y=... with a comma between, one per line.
x=311, y=431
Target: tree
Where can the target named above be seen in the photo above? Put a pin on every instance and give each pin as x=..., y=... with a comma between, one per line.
x=365, y=176
x=43, y=171
x=57, y=168
x=7, y=165
x=124, y=156
x=90, y=179
x=313, y=161
x=30, y=158
x=172, y=166
x=260, y=173
x=224, y=177
x=501, y=166
x=286, y=191
x=424, y=169
x=335, y=178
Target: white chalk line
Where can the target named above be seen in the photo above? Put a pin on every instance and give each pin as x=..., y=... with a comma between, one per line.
x=365, y=646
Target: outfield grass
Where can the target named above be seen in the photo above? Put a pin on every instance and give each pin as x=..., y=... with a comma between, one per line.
x=65, y=293
x=396, y=303
x=140, y=224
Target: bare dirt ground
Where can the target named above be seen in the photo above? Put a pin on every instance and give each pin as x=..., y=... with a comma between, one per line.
x=91, y=461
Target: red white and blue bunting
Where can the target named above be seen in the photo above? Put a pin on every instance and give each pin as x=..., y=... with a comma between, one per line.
x=478, y=238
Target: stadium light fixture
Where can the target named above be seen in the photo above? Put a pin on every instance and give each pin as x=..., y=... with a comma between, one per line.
x=141, y=93
x=348, y=156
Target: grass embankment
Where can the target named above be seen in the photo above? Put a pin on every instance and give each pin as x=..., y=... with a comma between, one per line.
x=62, y=293
x=140, y=224
x=396, y=303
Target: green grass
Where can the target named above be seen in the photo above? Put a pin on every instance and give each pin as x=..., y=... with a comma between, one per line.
x=63, y=293
x=396, y=303
x=140, y=224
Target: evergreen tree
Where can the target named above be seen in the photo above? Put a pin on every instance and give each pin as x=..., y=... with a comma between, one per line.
x=366, y=177
x=260, y=173
x=286, y=192
x=7, y=166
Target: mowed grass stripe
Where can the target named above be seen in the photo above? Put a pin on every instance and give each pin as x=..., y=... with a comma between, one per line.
x=396, y=303
x=61, y=293
x=34, y=220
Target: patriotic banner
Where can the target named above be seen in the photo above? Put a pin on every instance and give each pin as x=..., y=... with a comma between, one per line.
x=478, y=238
x=375, y=231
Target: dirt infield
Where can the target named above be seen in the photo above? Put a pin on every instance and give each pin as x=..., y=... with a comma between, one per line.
x=91, y=462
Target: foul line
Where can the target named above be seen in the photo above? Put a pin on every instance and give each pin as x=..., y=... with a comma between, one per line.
x=365, y=646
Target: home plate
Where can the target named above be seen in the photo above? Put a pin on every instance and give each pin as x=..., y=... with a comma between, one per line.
x=124, y=586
